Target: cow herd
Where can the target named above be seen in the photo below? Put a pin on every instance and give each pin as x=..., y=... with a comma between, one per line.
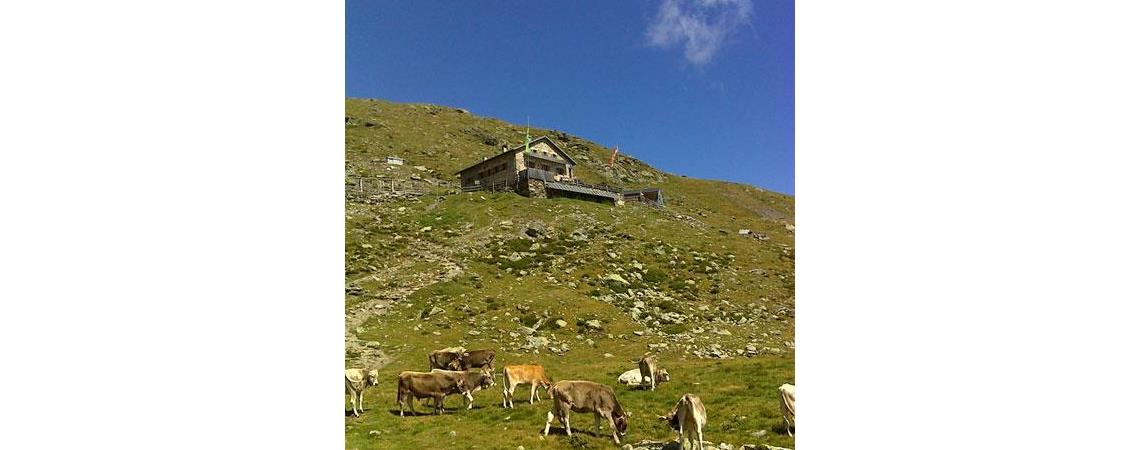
x=455, y=370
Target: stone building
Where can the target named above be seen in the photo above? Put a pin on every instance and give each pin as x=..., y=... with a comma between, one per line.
x=544, y=170
x=544, y=157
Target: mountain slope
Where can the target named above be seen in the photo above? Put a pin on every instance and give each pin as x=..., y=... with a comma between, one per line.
x=561, y=282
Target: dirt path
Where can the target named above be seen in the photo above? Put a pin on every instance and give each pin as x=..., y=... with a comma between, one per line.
x=407, y=283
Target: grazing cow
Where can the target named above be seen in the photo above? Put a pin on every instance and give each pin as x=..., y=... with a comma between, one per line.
x=355, y=381
x=475, y=359
x=586, y=397
x=688, y=418
x=438, y=385
x=446, y=359
x=652, y=372
x=788, y=405
x=532, y=374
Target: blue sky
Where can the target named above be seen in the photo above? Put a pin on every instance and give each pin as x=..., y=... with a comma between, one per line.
x=703, y=88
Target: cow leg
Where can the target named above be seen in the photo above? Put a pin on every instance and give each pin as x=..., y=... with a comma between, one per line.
x=361, y=401
x=549, y=418
x=439, y=404
x=566, y=421
x=681, y=435
x=597, y=424
x=470, y=400
x=353, y=401
x=613, y=427
x=701, y=437
x=533, y=387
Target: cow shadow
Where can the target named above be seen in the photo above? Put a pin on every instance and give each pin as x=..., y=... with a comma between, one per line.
x=782, y=429
x=561, y=431
x=430, y=412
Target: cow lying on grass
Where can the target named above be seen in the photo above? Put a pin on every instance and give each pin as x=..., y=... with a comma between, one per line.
x=438, y=385
x=688, y=419
x=355, y=381
x=586, y=397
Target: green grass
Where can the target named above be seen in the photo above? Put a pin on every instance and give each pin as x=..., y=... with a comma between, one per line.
x=689, y=251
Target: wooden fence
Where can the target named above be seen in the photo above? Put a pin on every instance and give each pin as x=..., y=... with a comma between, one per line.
x=360, y=186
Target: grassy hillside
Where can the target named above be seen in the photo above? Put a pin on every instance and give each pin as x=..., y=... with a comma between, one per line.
x=502, y=271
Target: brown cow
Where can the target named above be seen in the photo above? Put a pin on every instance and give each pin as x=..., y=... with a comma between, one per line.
x=477, y=359
x=688, y=417
x=477, y=387
x=651, y=371
x=531, y=374
x=585, y=397
x=438, y=385
x=446, y=359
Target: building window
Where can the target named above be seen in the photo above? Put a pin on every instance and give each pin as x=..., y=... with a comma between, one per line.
x=546, y=167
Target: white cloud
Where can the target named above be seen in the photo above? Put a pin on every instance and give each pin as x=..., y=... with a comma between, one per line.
x=701, y=25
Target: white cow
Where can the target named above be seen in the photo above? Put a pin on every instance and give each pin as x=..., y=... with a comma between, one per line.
x=788, y=405
x=688, y=417
x=631, y=376
x=355, y=381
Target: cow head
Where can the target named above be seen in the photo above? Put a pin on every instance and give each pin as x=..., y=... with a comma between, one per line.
x=547, y=385
x=456, y=362
x=663, y=375
x=486, y=379
x=621, y=422
x=373, y=377
x=672, y=419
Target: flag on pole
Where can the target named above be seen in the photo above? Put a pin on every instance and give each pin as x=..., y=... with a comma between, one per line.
x=527, y=135
x=614, y=155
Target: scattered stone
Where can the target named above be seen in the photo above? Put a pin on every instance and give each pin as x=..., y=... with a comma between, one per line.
x=451, y=433
x=745, y=231
x=616, y=277
x=639, y=333
x=594, y=324
x=607, y=355
x=374, y=432
x=560, y=323
x=425, y=229
x=435, y=310
x=420, y=168
x=473, y=332
x=372, y=344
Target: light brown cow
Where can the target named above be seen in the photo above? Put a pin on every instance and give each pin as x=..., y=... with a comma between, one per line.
x=532, y=374
x=585, y=397
x=438, y=385
x=651, y=372
x=688, y=418
x=355, y=381
x=788, y=406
